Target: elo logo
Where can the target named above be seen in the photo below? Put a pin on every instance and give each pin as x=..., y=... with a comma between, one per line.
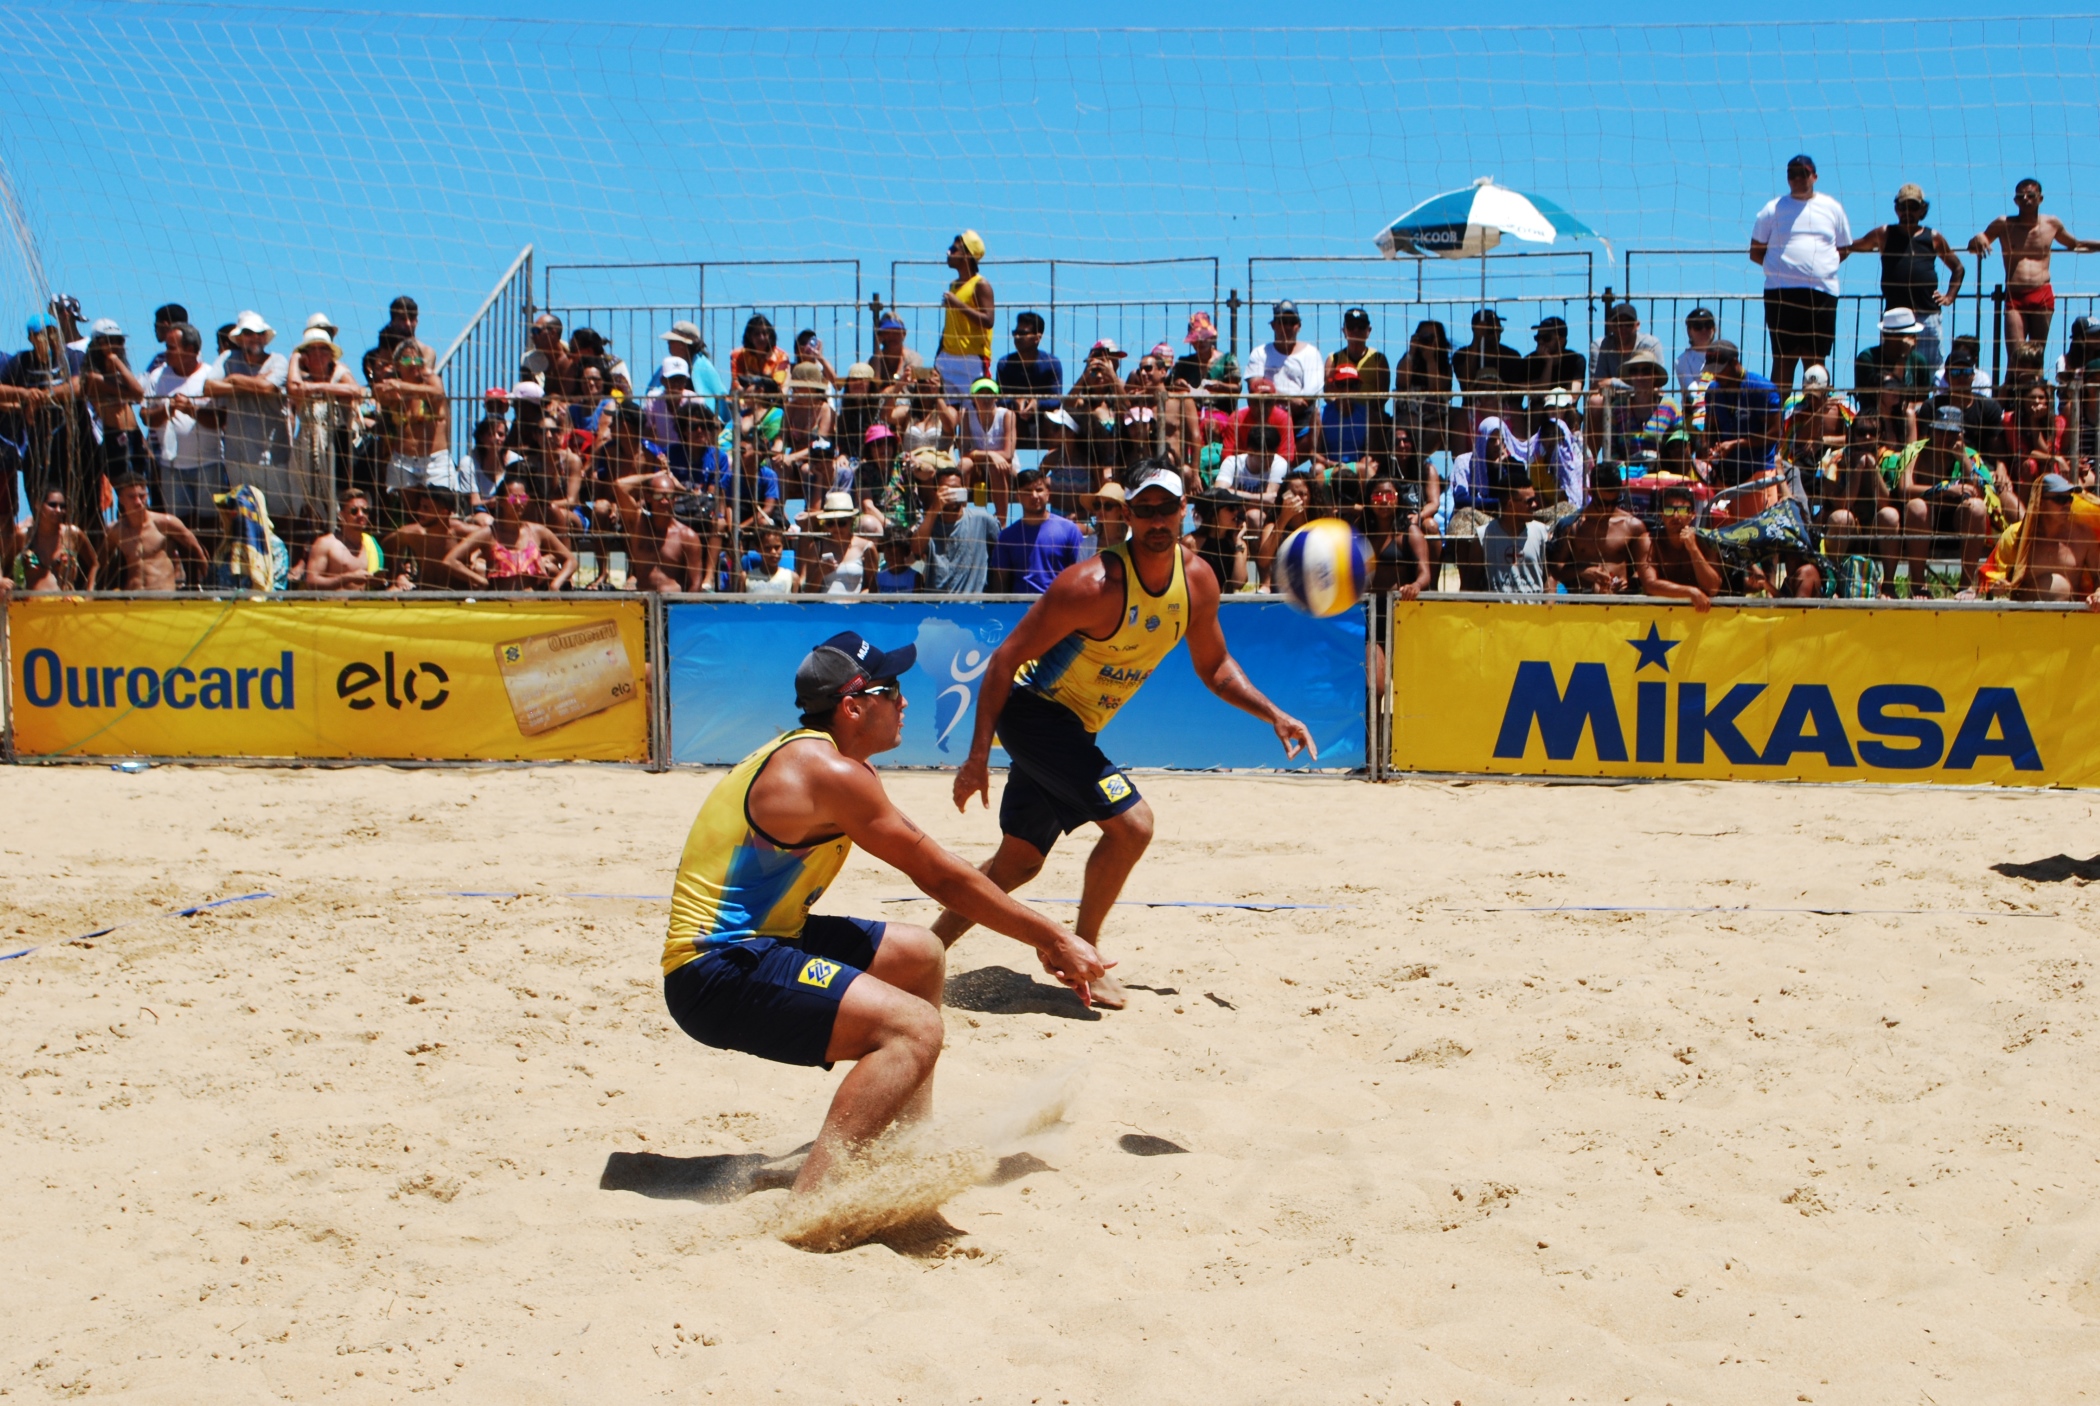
x=402, y=688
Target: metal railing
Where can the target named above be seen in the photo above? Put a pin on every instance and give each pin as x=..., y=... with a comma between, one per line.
x=488, y=349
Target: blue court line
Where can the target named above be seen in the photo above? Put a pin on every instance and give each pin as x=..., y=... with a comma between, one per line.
x=920, y=898
x=504, y=893
x=1819, y=912
x=190, y=912
x=1161, y=903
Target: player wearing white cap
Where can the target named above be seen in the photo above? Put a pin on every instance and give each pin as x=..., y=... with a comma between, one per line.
x=1080, y=653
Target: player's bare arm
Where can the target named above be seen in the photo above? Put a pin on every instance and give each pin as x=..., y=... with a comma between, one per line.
x=1220, y=672
x=813, y=789
x=1085, y=597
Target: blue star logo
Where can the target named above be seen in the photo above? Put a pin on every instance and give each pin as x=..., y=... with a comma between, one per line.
x=1654, y=650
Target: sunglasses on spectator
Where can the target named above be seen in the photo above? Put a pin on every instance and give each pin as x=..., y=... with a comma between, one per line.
x=1146, y=512
x=1676, y=510
x=2058, y=498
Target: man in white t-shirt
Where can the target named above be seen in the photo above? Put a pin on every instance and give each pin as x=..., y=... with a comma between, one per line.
x=182, y=428
x=1799, y=240
x=1297, y=368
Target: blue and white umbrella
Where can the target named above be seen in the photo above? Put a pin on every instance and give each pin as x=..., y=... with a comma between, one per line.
x=1463, y=224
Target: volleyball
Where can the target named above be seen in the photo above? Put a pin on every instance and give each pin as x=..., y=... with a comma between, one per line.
x=1322, y=568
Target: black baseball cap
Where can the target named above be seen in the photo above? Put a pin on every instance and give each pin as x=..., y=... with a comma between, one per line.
x=844, y=664
x=1802, y=161
x=1356, y=317
x=1555, y=324
x=1702, y=313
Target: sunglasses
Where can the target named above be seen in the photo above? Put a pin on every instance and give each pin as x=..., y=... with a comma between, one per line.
x=878, y=690
x=1146, y=512
x=2058, y=498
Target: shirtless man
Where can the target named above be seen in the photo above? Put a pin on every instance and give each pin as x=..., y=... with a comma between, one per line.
x=2028, y=237
x=2056, y=558
x=422, y=424
x=143, y=548
x=341, y=560
x=1608, y=549
x=1679, y=554
x=663, y=554
x=427, y=539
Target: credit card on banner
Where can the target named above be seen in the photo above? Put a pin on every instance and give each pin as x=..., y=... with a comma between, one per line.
x=563, y=675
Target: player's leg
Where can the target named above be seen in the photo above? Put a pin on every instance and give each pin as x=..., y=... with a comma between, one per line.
x=913, y=960
x=893, y=1038
x=1013, y=864
x=1124, y=838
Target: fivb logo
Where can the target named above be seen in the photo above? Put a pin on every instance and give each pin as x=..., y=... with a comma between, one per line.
x=1809, y=721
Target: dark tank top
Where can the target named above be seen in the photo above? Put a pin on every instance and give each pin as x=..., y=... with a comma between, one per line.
x=1910, y=274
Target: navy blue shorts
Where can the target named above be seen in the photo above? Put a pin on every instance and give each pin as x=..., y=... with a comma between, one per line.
x=1059, y=780
x=777, y=1000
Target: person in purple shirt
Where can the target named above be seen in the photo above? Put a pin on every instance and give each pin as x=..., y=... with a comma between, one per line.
x=1032, y=551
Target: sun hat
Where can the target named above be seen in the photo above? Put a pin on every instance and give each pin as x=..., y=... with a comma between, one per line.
x=1201, y=329
x=806, y=373
x=1900, y=322
x=251, y=321
x=878, y=431
x=318, y=337
x=860, y=371
x=837, y=507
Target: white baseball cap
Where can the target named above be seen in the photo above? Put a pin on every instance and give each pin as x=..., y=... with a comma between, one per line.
x=1815, y=376
x=1159, y=478
x=675, y=366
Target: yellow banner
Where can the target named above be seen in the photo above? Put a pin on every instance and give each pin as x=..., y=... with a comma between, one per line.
x=390, y=679
x=1951, y=696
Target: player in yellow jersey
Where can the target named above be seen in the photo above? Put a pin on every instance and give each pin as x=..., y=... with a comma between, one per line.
x=1081, y=652
x=748, y=967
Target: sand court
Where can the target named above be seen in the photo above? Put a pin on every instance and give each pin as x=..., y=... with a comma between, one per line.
x=366, y=1138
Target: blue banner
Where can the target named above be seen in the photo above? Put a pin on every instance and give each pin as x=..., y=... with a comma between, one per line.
x=732, y=680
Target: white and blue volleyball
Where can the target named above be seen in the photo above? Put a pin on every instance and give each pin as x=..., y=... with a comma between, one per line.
x=1323, y=567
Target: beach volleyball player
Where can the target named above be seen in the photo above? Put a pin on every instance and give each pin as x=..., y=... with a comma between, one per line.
x=748, y=967
x=1080, y=653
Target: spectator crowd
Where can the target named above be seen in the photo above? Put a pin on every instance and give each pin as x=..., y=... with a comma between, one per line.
x=959, y=469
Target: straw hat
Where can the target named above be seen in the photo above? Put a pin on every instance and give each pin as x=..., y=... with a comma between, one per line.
x=837, y=508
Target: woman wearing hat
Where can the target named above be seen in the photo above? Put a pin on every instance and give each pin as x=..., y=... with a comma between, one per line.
x=324, y=397
x=988, y=443
x=837, y=563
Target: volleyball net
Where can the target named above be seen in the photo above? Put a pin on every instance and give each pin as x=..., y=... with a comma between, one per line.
x=228, y=158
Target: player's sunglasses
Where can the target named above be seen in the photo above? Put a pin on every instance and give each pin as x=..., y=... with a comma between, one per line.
x=1146, y=512
x=878, y=690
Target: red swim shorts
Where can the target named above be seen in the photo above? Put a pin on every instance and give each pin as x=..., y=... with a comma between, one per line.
x=2041, y=298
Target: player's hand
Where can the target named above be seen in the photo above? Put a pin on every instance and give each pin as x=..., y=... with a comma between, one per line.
x=1076, y=964
x=973, y=778
x=1294, y=737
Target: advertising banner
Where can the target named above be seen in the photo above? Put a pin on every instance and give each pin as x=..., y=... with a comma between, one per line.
x=489, y=680
x=732, y=681
x=1952, y=696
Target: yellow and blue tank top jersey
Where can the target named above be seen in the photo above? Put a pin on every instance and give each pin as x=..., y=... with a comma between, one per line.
x=735, y=881
x=1093, y=678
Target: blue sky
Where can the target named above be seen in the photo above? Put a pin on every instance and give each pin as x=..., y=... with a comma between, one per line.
x=289, y=160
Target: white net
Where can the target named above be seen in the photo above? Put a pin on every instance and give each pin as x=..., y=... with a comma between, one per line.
x=229, y=158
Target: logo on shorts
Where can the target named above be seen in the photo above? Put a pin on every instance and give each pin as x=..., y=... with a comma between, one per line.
x=818, y=973
x=1151, y=623
x=1113, y=786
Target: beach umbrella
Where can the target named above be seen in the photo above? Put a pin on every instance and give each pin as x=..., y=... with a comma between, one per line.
x=1461, y=224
